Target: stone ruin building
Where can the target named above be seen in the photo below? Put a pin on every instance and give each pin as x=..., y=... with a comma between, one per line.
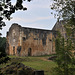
x=24, y=41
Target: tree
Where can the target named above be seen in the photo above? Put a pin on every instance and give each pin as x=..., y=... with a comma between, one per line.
x=64, y=57
x=3, y=57
x=65, y=10
x=2, y=44
x=7, y=8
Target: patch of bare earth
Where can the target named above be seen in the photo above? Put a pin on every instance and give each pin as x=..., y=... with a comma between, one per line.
x=45, y=59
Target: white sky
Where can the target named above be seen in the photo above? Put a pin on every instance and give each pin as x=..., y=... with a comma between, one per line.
x=37, y=15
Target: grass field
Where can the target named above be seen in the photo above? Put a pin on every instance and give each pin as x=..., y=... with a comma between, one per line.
x=38, y=63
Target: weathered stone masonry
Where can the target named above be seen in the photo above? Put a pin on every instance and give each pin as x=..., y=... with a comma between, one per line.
x=24, y=41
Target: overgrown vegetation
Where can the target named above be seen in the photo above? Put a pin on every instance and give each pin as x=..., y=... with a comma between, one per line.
x=16, y=68
x=65, y=46
x=37, y=63
x=65, y=54
x=65, y=58
x=2, y=44
x=3, y=56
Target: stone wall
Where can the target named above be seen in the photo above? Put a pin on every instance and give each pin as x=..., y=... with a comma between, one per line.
x=59, y=26
x=24, y=41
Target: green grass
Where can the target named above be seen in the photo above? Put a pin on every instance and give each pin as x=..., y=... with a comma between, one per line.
x=41, y=65
x=37, y=63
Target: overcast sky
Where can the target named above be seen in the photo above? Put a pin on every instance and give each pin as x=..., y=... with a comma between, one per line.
x=37, y=15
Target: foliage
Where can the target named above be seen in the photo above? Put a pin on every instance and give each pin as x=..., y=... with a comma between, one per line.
x=64, y=56
x=65, y=9
x=3, y=56
x=7, y=9
x=70, y=30
x=2, y=44
x=17, y=69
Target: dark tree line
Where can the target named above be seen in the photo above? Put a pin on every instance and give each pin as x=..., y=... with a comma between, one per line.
x=3, y=57
x=2, y=44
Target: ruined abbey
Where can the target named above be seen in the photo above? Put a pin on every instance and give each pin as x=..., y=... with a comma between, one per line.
x=23, y=41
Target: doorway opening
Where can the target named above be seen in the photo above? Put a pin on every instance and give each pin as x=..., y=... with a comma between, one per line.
x=13, y=50
x=29, y=51
x=18, y=50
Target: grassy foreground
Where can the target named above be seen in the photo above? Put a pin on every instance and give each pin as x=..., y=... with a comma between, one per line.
x=38, y=63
